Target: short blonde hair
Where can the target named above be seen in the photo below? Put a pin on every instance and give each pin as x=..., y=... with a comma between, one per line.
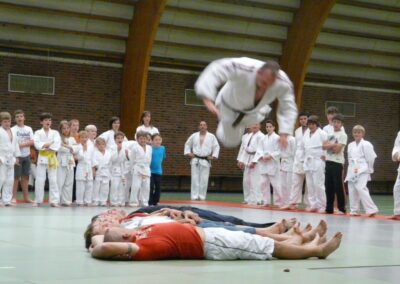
x=5, y=116
x=100, y=140
x=83, y=133
x=359, y=128
x=90, y=127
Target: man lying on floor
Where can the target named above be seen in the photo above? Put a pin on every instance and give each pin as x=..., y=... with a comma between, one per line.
x=115, y=218
x=184, y=241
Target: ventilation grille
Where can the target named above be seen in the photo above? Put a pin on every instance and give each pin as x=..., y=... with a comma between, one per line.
x=191, y=99
x=31, y=84
x=347, y=109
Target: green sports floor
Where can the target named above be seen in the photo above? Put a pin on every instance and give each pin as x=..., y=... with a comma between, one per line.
x=45, y=245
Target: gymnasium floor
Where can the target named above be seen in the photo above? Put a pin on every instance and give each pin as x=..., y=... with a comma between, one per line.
x=46, y=246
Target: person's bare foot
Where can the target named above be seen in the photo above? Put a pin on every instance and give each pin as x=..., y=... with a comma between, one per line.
x=319, y=230
x=28, y=201
x=289, y=224
x=14, y=200
x=34, y=204
x=330, y=246
x=307, y=228
x=394, y=217
x=291, y=232
x=55, y=205
x=372, y=215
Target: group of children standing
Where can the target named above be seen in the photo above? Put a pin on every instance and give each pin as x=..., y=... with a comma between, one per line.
x=105, y=170
x=314, y=157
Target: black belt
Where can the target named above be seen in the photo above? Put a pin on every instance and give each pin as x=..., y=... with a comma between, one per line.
x=241, y=115
x=201, y=158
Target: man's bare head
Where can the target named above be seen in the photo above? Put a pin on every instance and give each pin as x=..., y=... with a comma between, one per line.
x=267, y=74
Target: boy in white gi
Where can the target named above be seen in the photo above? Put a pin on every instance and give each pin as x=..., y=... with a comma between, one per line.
x=47, y=141
x=246, y=88
x=119, y=156
x=286, y=170
x=268, y=157
x=9, y=153
x=140, y=159
x=66, y=164
x=334, y=166
x=101, y=172
x=202, y=147
x=298, y=170
x=84, y=170
x=251, y=174
x=24, y=136
x=396, y=188
x=361, y=157
x=128, y=170
x=314, y=165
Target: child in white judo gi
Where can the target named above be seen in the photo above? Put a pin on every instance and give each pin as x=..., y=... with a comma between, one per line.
x=361, y=157
x=108, y=136
x=84, y=170
x=268, y=157
x=47, y=141
x=314, y=165
x=239, y=91
x=101, y=172
x=119, y=156
x=9, y=153
x=251, y=173
x=66, y=164
x=201, y=147
x=396, y=188
x=286, y=170
x=140, y=159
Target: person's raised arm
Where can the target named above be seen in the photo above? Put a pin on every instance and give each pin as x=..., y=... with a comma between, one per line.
x=115, y=250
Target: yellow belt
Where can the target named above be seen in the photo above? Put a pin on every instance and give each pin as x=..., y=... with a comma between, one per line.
x=51, y=157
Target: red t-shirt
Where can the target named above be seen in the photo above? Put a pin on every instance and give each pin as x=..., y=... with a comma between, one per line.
x=169, y=241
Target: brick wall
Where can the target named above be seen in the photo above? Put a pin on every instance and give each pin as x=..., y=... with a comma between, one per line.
x=91, y=94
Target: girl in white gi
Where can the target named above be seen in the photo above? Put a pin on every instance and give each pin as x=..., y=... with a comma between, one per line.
x=201, y=147
x=268, y=157
x=119, y=156
x=9, y=153
x=66, y=164
x=47, y=141
x=246, y=88
x=146, y=125
x=140, y=158
x=286, y=171
x=361, y=157
x=396, y=188
x=108, y=136
x=101, y=172
x=314, y=165
x=299, y=175
x=92, y=133
x=251, y=174
x=84, y=170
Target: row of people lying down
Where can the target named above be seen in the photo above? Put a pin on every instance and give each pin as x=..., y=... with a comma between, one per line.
x=168, y=233
x=118, y=172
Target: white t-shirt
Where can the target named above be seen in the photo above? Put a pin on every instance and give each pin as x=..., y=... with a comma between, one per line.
x=23, y=135
x=338, y=137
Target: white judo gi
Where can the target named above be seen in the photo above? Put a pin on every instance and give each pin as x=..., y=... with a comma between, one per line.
x=298, y=170
x=149, y=129
x=251, y=176
x=140, y=160
x=286, y=172
x=108, y=136
x=65, y=170
x=314, y=167
x=269, y=170
x=47, y=162
x=84, y=174
x=118, y=181
x=9, y=151
x=200, y=165
x=127, y=170
x=101, y=184
x=237, y=77
x=361, y=158
x=396, y=188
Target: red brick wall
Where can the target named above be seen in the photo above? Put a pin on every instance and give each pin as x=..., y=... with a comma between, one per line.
x=92, y=94
x=89, y=93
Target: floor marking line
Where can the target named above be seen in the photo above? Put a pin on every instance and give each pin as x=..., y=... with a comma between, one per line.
x=365, y=266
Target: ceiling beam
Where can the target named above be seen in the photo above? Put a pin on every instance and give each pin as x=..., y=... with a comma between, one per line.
x=301, y=39
x=142, y=32
x=268, y=6
x=364, y=20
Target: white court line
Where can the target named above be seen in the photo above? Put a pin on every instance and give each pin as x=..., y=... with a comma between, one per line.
x=7, y=267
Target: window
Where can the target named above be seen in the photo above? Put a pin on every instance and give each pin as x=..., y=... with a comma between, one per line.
x=348, y=109
x=191, y=99
x=31, y=84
